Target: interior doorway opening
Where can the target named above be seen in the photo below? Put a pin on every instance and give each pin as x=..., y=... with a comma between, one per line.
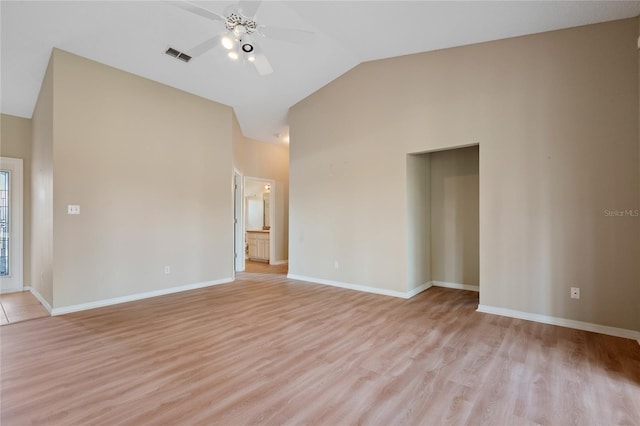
x=259, y=224
x=443, y=194
x=238, y=219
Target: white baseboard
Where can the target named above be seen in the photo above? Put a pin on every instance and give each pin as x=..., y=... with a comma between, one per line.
x=456, y=286
x=349, y=286
x=578, y=325
x=41, y=299
x=419, y=289
x=278, y=262
x=138, y=296
x=364, y=288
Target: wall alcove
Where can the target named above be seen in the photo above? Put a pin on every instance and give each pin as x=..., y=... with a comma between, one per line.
x=443, y=223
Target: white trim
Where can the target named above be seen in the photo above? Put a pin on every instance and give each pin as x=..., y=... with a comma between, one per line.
x=579, y=325
x=419, y=289
x=545, y=319
x=278, y=262
x=363, y=288
x=41, y=299
x=138, y=296
x=457, y=286
x=348, y=286
x=238, y=208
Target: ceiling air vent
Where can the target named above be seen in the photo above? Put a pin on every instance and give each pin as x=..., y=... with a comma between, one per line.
x=178, y=54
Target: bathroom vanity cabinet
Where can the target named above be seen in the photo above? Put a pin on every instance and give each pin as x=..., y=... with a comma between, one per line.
x=258, y=242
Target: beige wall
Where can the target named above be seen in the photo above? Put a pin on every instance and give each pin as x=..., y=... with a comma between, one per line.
x=454, y=216
x=15, y=142
x=267, y=161
x=42, y=189
x=151, y=168
x=556, y=118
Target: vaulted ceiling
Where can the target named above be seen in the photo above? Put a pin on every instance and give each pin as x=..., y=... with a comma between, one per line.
x=133, y=36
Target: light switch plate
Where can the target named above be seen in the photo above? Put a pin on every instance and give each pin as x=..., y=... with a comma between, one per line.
x=73, y=209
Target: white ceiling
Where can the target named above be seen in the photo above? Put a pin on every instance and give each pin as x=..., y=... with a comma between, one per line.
x=133, y=35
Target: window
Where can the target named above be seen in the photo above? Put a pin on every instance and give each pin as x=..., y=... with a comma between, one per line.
x=4, y=223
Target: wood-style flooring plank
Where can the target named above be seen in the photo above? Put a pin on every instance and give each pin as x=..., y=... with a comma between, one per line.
x=268, y=350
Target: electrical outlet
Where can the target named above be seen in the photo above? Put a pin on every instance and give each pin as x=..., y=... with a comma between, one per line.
x=336, y=264
x=167, y=269
x=575, y=292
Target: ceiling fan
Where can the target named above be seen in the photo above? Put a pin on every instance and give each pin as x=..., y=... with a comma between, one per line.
x=241, y=32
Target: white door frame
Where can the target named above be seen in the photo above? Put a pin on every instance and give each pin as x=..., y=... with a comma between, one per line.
x=238, y=228
x=272, y=214
x=14, y=282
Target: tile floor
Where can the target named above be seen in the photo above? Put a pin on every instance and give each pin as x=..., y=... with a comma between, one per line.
x=20, y=306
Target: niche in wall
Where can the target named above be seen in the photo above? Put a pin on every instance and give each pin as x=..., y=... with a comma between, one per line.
x=443, y=218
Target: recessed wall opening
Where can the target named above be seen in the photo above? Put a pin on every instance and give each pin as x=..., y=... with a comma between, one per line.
x=443, y=193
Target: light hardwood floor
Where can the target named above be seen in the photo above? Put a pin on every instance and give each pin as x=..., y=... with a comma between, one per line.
x=267, y=350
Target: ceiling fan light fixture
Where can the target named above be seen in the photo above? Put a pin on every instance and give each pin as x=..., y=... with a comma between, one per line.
x=251, y=58
x=227, y=42
x=233, y=55
x=239, y=30
x=246, y=45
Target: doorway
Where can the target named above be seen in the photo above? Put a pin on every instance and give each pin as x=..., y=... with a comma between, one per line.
x=443, y=219
x=11, y=225
x=238, y=220
x=259, y=224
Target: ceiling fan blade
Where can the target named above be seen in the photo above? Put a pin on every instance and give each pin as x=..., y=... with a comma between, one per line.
x=249, y=8
x=287, y=34
x=205, y=46
x=262, y=64
x=194, y=8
